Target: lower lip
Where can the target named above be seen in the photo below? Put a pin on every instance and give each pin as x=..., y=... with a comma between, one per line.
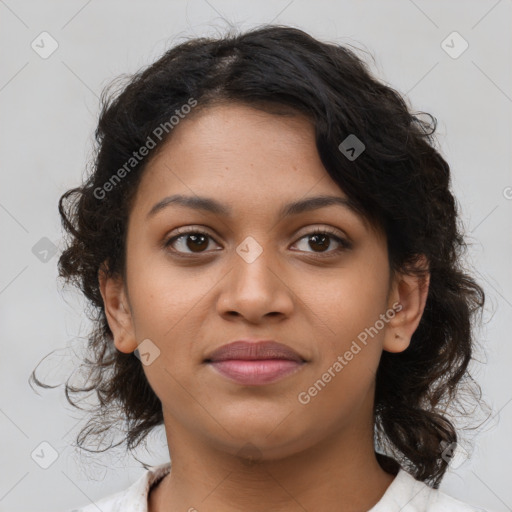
x=256, y=372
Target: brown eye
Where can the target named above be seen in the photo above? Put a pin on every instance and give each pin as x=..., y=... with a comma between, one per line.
x=320, y=241
x=190, y=242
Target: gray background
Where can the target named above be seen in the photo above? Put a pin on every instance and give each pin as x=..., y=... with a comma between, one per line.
x=49, y=108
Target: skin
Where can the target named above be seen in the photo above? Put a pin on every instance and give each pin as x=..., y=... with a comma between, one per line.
x=313, y=456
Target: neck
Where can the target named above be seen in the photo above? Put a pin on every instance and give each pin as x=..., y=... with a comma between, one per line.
x=342, y=471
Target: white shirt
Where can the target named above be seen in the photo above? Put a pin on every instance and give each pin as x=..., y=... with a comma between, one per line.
x=404, y=494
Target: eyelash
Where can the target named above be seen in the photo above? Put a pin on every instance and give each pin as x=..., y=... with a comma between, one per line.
x=344, y=244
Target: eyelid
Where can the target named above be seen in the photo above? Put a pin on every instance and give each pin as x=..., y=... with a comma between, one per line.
x=306, y=231
x=335, y=233
x=182, y=231
x=323, y=229
x=344, y=241
x=189, y=230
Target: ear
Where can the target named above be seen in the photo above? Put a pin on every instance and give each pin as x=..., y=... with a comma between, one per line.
x=117, y=311
x=407, y=298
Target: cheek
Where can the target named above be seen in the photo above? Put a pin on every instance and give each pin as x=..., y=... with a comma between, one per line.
x=169, y=306
x=345, y=304
x=349, y=350
x=162, y=295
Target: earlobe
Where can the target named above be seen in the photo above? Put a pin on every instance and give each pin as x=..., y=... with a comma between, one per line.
x=117, y=311
x=411, y=292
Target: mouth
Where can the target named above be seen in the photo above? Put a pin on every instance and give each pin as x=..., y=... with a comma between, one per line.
x=255, y=363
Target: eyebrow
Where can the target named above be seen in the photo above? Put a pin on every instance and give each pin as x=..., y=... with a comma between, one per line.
x=211, y=205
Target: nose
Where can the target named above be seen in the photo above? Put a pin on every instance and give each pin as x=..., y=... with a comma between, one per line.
x=256, y=289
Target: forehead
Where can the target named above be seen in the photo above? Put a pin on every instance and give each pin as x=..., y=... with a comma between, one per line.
x=248, y=159
x=238, y=148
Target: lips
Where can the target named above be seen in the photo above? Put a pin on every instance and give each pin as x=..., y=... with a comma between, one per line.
x=250, y=351
x=255, y=363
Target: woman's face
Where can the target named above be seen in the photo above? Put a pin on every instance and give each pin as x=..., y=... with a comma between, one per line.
x=254, y=274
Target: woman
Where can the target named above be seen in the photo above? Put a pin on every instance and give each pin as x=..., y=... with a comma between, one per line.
x=271, y=244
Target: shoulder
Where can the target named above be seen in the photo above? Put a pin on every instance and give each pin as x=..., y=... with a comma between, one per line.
x=406, y=494
x=442, y=502
x=132, y=499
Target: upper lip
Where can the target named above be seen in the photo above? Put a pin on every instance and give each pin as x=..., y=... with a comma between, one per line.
x=254, y=350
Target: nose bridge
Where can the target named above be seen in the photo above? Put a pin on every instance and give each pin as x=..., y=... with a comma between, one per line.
x=254, y=286
x=252, y=264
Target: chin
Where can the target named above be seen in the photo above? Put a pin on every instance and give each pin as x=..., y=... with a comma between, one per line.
x=268, y=439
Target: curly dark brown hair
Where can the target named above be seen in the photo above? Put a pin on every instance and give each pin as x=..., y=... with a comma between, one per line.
x=400, y=183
